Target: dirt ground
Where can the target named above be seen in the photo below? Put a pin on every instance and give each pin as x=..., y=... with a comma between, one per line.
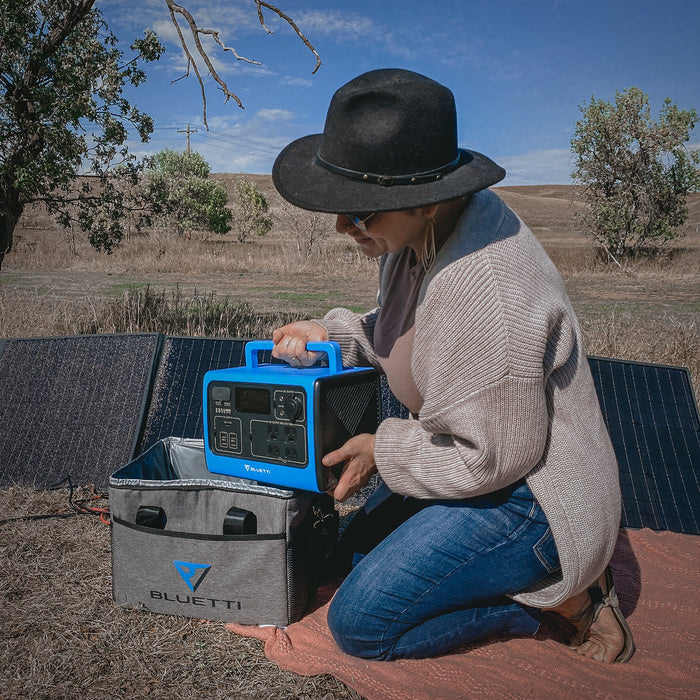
x=62, y=636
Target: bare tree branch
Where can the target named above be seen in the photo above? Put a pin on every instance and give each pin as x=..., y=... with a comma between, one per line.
x=190, y=60
x=196, y=31
x=260, y=4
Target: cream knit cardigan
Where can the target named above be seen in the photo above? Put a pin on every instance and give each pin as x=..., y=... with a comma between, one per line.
x=507, y=390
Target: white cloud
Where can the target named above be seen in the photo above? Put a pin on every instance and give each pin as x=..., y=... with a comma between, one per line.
x=231, y=18
x=234, y=143
x=298, y=82
x=544, y=167
x=166, y=31
x=343, y=26
x=274, y=115
x=541, y=167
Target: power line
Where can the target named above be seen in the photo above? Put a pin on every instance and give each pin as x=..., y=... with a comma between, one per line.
x=253, y=150
x=228, y=136
x=247, y=145
x=216, y=134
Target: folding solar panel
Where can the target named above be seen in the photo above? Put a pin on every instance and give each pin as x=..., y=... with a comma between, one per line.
x=85, y=405
x=72, y=406
x=653, y=422
x=176, y=401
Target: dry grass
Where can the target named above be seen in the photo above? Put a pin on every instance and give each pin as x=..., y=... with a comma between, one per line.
x=61, y=635
x=148, y=311
x=211, y=285
x=665, y=340
x=159, y=251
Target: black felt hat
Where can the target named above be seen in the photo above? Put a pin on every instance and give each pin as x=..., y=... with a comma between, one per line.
x=389, y=143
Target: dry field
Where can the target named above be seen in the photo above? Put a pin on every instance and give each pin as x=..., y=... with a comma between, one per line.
x=60, y=634
x=53, y=283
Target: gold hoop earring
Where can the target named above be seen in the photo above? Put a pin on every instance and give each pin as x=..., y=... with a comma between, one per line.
x=428, y=254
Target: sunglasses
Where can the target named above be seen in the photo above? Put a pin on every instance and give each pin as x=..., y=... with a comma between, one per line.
x=360, y=220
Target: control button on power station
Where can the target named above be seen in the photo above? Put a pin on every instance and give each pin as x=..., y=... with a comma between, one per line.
x=292, y=407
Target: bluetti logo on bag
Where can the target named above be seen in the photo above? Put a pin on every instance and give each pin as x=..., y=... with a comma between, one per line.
x=192, y=574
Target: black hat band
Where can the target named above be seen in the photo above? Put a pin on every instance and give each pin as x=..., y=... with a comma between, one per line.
x=389, y=180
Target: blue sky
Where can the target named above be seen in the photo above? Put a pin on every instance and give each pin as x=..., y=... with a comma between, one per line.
x=519, y=70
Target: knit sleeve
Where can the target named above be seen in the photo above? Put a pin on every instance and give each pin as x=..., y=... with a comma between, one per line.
x=478, y=445
x=479, y=368
x=355, y=334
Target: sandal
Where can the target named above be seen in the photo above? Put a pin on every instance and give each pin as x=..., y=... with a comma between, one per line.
x=589, y=615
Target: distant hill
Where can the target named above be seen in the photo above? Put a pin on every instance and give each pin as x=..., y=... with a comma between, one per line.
x=543, y=207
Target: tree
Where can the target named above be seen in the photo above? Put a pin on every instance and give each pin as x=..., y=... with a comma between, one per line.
x=635, y=172
x=251, y=211
x=306, y=229
x=62, y=112
x=180, y=193
x=60, y=74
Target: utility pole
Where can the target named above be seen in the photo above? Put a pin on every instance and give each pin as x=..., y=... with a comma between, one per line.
x=187, y=131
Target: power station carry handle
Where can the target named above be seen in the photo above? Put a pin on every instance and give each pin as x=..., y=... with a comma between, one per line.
x=330, y=347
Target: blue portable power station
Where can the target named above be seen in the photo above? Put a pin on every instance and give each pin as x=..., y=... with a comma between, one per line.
x=273, y=423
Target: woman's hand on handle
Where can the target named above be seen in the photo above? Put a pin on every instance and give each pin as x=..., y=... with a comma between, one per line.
x=290, y=342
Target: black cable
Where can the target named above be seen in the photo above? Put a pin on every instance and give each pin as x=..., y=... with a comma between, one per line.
x=38, y=517
x=75, y=507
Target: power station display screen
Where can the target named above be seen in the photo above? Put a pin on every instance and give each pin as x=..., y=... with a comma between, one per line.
x=252, y=400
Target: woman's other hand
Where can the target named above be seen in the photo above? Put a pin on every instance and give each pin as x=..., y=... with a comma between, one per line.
x=290, y=342
x=358, y=455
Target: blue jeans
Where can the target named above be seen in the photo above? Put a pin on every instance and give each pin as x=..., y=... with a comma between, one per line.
x=442, y=578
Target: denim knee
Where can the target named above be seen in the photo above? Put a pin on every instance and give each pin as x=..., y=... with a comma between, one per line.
x=351, y=632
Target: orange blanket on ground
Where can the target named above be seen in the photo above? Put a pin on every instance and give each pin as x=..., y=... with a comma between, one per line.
x=657, y=578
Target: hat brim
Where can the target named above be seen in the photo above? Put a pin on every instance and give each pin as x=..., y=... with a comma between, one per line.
x=300, y=179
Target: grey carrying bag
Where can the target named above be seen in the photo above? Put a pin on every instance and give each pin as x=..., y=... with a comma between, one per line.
x=189, y=542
